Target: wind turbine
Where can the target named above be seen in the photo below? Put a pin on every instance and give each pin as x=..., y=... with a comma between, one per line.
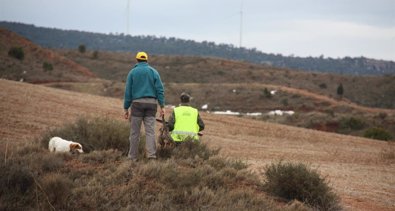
x=241, y=24
x=127, y=16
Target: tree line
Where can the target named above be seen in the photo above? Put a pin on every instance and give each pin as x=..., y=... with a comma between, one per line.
x=71, y=39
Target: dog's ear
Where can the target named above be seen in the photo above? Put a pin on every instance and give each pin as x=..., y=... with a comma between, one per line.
x=73, y=147
x=78, y=146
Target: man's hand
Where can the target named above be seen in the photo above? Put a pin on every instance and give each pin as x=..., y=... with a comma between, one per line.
x=126, y=115
x=162, y=111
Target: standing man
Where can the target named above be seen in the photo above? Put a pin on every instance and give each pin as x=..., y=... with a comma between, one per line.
x=143, y=91
x=185, y=122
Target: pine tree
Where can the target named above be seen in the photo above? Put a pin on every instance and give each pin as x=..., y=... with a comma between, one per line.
x=340, y=90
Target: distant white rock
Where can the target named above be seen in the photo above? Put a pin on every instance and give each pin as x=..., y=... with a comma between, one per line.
x=228, y=112
x=205, y=106
x=273, y=92
x=234, y=90
x=289, y=112
x=280, y=113
x=254, y=114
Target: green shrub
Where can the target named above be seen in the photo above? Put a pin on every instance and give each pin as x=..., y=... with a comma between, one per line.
x=57, y=188
x=351, y=123
x=297, y=181
x=192, y=149
x=16, y=178
x=266, y=93
x=323, y=86
x=16, y=182
x=51, y=162
x=82, y=48
x=47, y=67
x=284, y=102
x=340, y=90
x=17, y=53
x=94, y=134
x=377, y=133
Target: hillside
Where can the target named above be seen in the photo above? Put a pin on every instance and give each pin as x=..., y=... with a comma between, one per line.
x=36, y=64
x=358, y=168
x=71, y=39
x=243, y=87
x=372, y=91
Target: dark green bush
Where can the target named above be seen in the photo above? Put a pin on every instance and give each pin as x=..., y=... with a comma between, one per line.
x=323, y=86
x=352, y=123
x=297, y=181
x=17, y=53
x=82, y=48
x=47, y=67
x=377, y=133
x=266, y=93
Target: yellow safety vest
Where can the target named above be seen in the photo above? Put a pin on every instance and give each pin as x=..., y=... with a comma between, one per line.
x=186, y=126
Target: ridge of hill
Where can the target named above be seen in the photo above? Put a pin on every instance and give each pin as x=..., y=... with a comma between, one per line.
x=36, y=64
x=372, y=91
x=71, y=39
x=360, y=173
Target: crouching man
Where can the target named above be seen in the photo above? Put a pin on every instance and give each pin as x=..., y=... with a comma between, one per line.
x=185, y=122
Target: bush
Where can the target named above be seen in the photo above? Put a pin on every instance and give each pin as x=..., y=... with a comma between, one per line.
x=47, y=67
x=51, y=162
x=94, y=134
x=340, y=90
x=95, y=55
x=323, y=86
x=57, y=187
x=192, y=149
x=266, y=93
x=17, y=53
x=81, y=48
x=352, y=123
x=378, y=133
x=296, y=181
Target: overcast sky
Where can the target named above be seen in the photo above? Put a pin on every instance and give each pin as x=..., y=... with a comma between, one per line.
x=333, y=28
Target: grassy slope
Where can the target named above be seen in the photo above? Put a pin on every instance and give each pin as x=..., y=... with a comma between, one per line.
x=355, y=166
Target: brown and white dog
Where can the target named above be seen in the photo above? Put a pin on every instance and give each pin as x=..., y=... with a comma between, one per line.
x=57, y=144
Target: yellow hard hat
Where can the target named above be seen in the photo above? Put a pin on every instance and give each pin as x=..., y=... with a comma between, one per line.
x=142, y=56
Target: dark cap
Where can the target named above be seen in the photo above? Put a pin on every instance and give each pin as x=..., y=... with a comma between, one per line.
x=185, y=97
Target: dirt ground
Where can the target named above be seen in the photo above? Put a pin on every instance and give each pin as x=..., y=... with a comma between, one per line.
x=356, y=167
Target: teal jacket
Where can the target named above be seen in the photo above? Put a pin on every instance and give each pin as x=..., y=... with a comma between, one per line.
x=143, y=81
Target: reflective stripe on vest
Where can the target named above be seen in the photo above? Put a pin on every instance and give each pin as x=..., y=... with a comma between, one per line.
x=185, y=123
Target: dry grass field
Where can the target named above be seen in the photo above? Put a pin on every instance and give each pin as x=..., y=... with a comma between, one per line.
x=361, y=171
